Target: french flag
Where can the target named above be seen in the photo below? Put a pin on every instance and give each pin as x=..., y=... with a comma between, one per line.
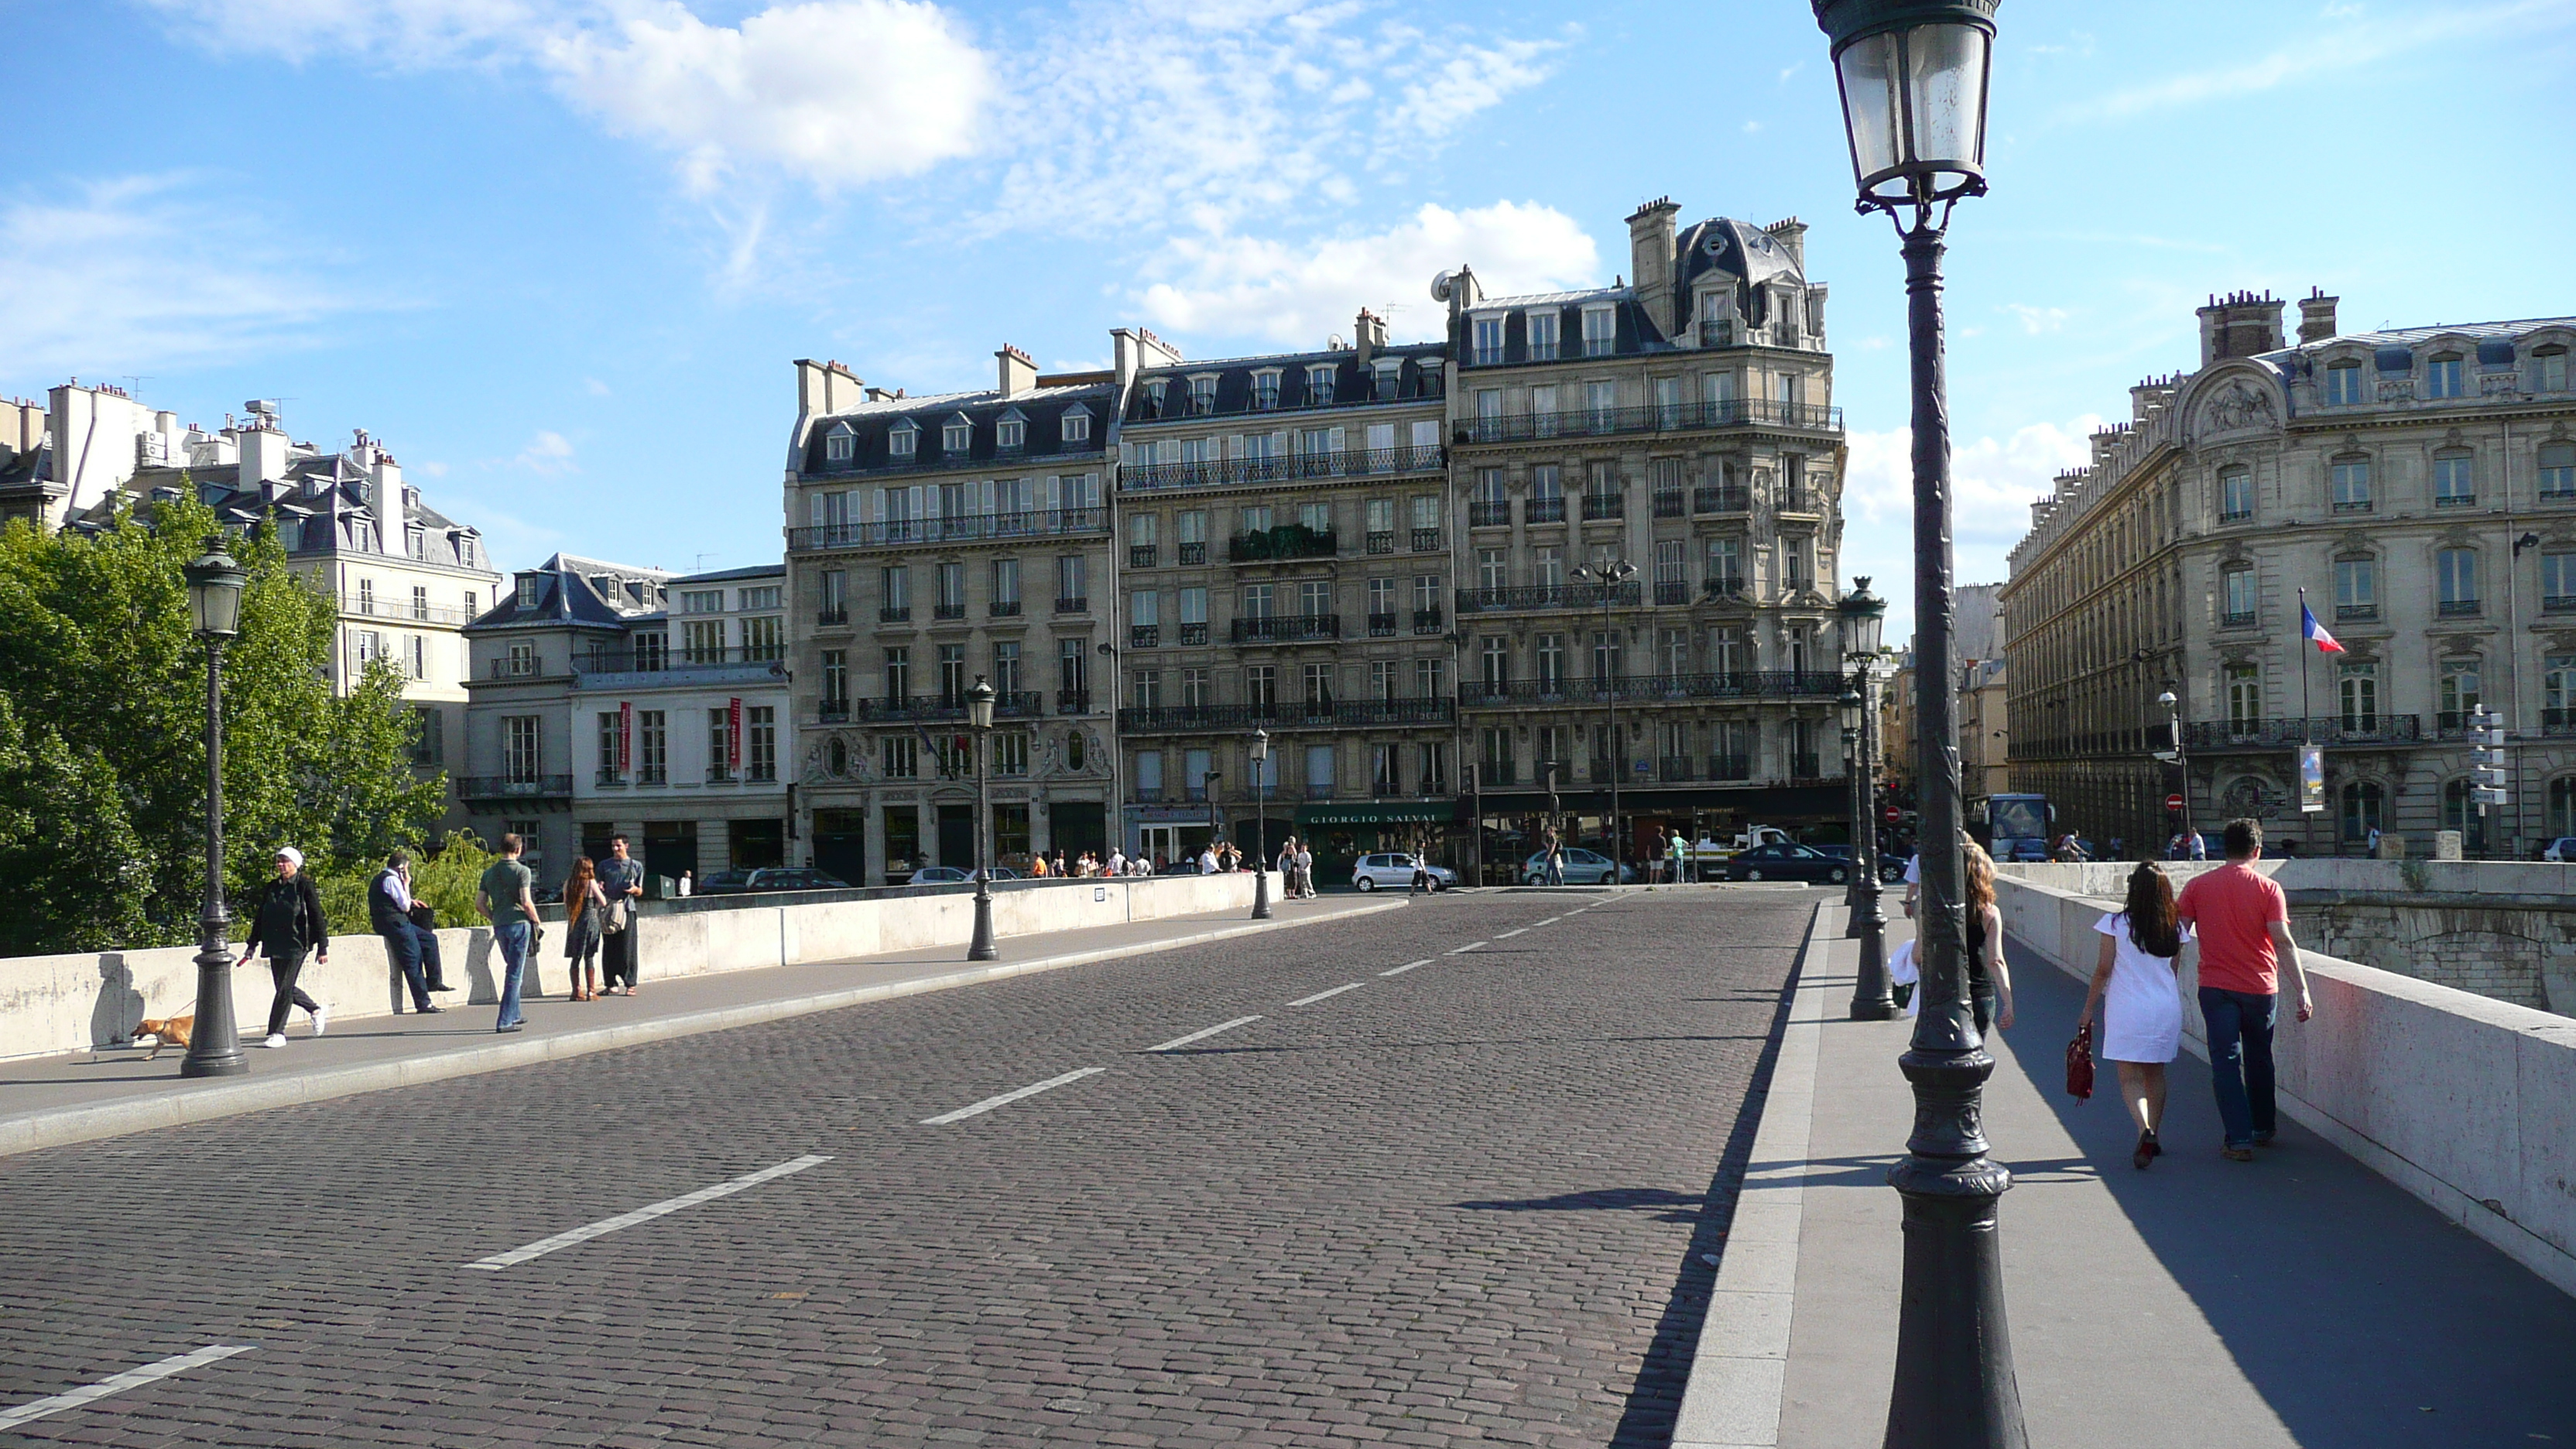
x=2316, y=632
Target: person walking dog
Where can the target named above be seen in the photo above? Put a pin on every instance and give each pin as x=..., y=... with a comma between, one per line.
x=413, y=951
x=621, y=879
x=289, y=923
x=2244, y=925
x=2141, y=1003
x=506, y=898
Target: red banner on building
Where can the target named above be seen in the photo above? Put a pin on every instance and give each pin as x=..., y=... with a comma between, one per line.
x=733, y=736
x=625, y=733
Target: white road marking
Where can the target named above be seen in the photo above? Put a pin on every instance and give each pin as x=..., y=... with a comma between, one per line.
x=1182, y=1041
x=1407, y=966
x=1007, y=1098
x=605, y=1226
x=1461, y=950
x=1507, y=935
x=28, y=1413
x=1550, y=921
x=1320, y=995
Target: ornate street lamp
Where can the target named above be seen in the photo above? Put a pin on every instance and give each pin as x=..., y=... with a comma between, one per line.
x=1609, y=576
x=1913, y=79
x=1855, y=806
x=1261, y=825
x=979, y=718
x=1858, y=619
x=215, y=585
x=2181, y=762
x=1863, y=615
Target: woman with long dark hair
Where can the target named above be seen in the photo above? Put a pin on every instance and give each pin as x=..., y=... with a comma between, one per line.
x=2135, y=989
x=585, y=907
x=1989, y=981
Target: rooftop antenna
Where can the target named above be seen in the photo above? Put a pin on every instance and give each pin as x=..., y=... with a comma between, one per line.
x=135, y=381
x=701, y=565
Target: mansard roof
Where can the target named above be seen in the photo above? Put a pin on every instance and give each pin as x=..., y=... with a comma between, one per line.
x=1417, y=379
x=1042, y=409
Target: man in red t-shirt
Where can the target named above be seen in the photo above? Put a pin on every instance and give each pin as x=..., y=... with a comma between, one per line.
x=2243, y=922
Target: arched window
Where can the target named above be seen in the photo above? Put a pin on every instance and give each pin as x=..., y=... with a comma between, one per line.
x=2363, y=810
x=2442, y=375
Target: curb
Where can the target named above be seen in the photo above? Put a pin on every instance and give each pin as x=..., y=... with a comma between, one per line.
x=1741, y=1368
x=231, y=1099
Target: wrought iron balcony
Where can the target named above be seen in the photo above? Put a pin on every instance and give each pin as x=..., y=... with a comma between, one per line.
x=949, y=611
x=1350, y=463
x=2459, y=608
x=513, y=787
x=2237, y=620
x=1548, y=596
x=1144, y=636
x=1194, y=633
x=1490, y=513
x=1668, y=503
x=1721, y=498
x=1425, y=540
x=1544, y=510
x=2558, y=721
x=758, y=658
x=1283, y=628
x=1381, y=540
x=1599, y=507
x=833, y=711
x=2558, y=603
x=1744, y=684
x=1673, y=767
x=1496, y=774
x=895, y=616
x=1191, y=553
x=1141, y=555
x=1730, y=767
x=910, y=707
x=1672, y=591
x=831, y=618
x=1426, y=621
x=1287, y=541
x=1679, y=417
x=2270, y=734
x=936, y=459
x=1002, y=609
x=1073, y=604
x=1287, y=714
x=2363, y=613
x=1381, y=626
x=1073, y=701
x=963, y=528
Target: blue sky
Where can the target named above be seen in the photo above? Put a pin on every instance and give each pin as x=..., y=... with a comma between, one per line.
x=558, y=254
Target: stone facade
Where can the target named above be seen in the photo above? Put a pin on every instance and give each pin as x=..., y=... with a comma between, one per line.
x=2419, y=485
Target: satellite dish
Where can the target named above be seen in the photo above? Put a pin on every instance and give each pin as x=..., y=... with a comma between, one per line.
x=1440, y=286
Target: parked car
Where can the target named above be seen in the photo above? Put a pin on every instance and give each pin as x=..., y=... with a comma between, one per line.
x=725, y=883
x=939, y=875
x=1395, y=868
x=1582, y=867
x=2561, y=849
x=1788, y=862
x=794, y=878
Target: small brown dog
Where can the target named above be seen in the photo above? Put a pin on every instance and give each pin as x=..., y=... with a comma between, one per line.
x=167, y=1031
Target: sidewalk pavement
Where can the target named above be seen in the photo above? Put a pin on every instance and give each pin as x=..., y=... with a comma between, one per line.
x=50, y=1101
x=2299, y=1300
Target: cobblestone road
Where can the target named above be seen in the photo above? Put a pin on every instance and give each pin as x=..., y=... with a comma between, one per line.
x=1460, y=1203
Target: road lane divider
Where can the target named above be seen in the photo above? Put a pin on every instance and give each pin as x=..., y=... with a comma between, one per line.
x=605, y=1226
x=1550, y=921
x=1178, y=1042
x=1507, y=935
x=1007, y=1098
x=28, y=1413
x=1321, y=995
x=1463, y=950
x=1407, y=966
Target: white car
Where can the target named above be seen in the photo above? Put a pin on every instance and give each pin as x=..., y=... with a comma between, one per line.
x=1394, y=869
x=1582, y=867
x=2561, y=849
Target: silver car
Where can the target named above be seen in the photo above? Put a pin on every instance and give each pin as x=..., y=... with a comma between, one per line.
x=1395, y=869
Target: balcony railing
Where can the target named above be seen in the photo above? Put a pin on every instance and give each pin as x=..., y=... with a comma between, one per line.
x=1722, y=498
x=403, y=610
x=1287, y=541
x=1194, y=633
x=831, y=618
x=935, y=459
x=2234, y=619
x=1426, y=621
x=2558, y=603
x=964, y=528
x=1672, y=591
x=1744, y=684
x=679, y=661
x=2265, y=734
x=513, y=787
x=1544, y=510
x=895, y=615
x=1002, y=609
x=1600, y=506
x=1805, y=767
x=2458, y=608
x=1350, y=463
x=1493, y=513
x=1141, y=555
x=1668, y=503
x=1285, y=627
x=1144, y=636
x=1730, y=767
x=1495, y=774
x=1073, y=701
x=1381, y=541
x=1425, y=540
x=1548, y=596
x=949, y=611
x=1680, y=417
x=2558, y=721
x=1673, y=767
x=1287, y=714
x=1191, y=553
x=1073, y=604
x=1381, y=626
x=2351, y=613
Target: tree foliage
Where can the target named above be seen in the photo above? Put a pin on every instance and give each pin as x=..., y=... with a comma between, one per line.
x=102, y=736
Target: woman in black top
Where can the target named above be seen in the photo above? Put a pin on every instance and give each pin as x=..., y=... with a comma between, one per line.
x=288, y=921
x=1989, y=983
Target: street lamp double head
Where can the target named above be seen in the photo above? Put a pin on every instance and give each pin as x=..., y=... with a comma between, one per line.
x=215, y=585
x=1859, y=617
x=1260, y=753
x=1913, y=79
x=979, y=718
x=1609, y=575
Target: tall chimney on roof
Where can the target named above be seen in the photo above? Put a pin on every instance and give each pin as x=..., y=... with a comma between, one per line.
x=2240, y=324
x=2317, y=316
x=1650, y=251
x=1019, y=371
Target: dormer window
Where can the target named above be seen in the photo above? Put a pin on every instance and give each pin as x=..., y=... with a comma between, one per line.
x=839, y=444
x=2549, y=370
x=1076, y=427
x=527, y=591
x=1265, y=389
x=905, y=438
x=954, y=437
x=1202, y=395
x=2343, y=384
x=1011, y=434
x=1542, y=335
x=2442, y=375
x=1390, y=377
x=1486, y=333
x=1319, y=384
x=1154, y=395
x=1600, y=331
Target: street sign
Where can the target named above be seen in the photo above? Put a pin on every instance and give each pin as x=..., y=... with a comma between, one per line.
x=2173, y=802
x=1892, y=815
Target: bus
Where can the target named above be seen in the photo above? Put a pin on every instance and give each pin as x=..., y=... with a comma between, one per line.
x=2012, y=827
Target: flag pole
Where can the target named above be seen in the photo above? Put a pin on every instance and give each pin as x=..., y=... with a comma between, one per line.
x=2307, y=728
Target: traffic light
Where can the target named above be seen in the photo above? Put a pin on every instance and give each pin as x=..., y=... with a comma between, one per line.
x=2486, y=757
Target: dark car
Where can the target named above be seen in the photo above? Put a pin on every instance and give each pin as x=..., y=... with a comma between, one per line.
x=794, y=878
x=725, y=883
x=1787, y=862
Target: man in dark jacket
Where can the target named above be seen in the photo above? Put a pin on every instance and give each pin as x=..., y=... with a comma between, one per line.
x=288, y=921
x=409, y=947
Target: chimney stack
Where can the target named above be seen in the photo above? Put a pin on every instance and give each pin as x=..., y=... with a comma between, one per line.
x=2317, y=316
x=1019, y=371
x=2240, y=324
x=1650, y=252
x=1371, y=334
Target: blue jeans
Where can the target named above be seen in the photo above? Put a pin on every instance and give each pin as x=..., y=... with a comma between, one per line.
x=402, y=947
x=2240, y=1061
x=511, y=937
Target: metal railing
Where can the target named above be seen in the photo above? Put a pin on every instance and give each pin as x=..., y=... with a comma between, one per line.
x=1287, y=714
x=1349, y=463
x=2458, y=608
x=1144, y=636
x=964, y=528
x=1191, y=553
x=1287, y=541
x=512, y=787
x=1381, y=540
x=938, y=459
x=1730, y=767
x=1073, y=701
x=1673, y=767
x=1141, y=555
x=948, y=611
x=1598, y=507
x=677, y=661
x=1381, y=626
x=1721, y=498
x=1425, y=540
x=1426, y=621
x=1194, y=633
x=1495, y=513
x=1672, y=591
x=1548, y=596
x=2558, y=721
x=2346, y=613
x=1744, y=684
x=1002, y=609
x=1073, y=604
x=2265, y=734
x=1679, y=417
x=895, y=616
x=830, y=618
x=1283, y=627
x=1544, y=510
x=403, y=610
x=1669, y=503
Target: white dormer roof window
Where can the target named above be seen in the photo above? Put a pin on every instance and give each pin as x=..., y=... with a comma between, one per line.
x=1011, y=431
x=1154, y=394
x=1265, y=389
x=527, y=591
x=1319, y=384
x=1076, y=424
x=903, y=440
x=1202, y=394
x=839, y=443
x=1390, y=376
x=956, y=434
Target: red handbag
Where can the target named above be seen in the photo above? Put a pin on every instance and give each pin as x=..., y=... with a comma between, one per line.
x=2079, y=1064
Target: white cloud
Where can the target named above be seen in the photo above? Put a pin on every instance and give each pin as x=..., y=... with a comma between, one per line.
x=2036, y=320
x=595, y=387
x=1296, y=294
x=547, y=454
x=134, y=274
x=1993, y=481
x=393, y=32
x=833, y=92
x=1473, y=80
x=430, y=469
x=2348, y=43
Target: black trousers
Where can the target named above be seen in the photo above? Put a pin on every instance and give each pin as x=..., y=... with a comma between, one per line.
x=617, y=953
x=285, y=969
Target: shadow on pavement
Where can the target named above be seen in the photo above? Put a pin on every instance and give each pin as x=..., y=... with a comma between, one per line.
x=2361, y=1315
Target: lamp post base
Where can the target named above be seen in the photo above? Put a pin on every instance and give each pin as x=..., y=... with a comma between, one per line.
x=1261, y=893
x=982, y=947
x=214, y=1044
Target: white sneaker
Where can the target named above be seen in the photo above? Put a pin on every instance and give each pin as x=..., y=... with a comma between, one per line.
x=274, y=1042
x=321, y=1019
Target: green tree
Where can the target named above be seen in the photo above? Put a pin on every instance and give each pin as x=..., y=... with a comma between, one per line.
x=97, y=656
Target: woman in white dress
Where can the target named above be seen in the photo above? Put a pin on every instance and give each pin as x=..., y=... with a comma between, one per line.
x=2134, y=989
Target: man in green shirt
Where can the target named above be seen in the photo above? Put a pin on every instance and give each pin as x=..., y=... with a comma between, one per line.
x=507, y=899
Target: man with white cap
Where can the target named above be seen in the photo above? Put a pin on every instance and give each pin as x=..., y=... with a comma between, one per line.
x=289, y=923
